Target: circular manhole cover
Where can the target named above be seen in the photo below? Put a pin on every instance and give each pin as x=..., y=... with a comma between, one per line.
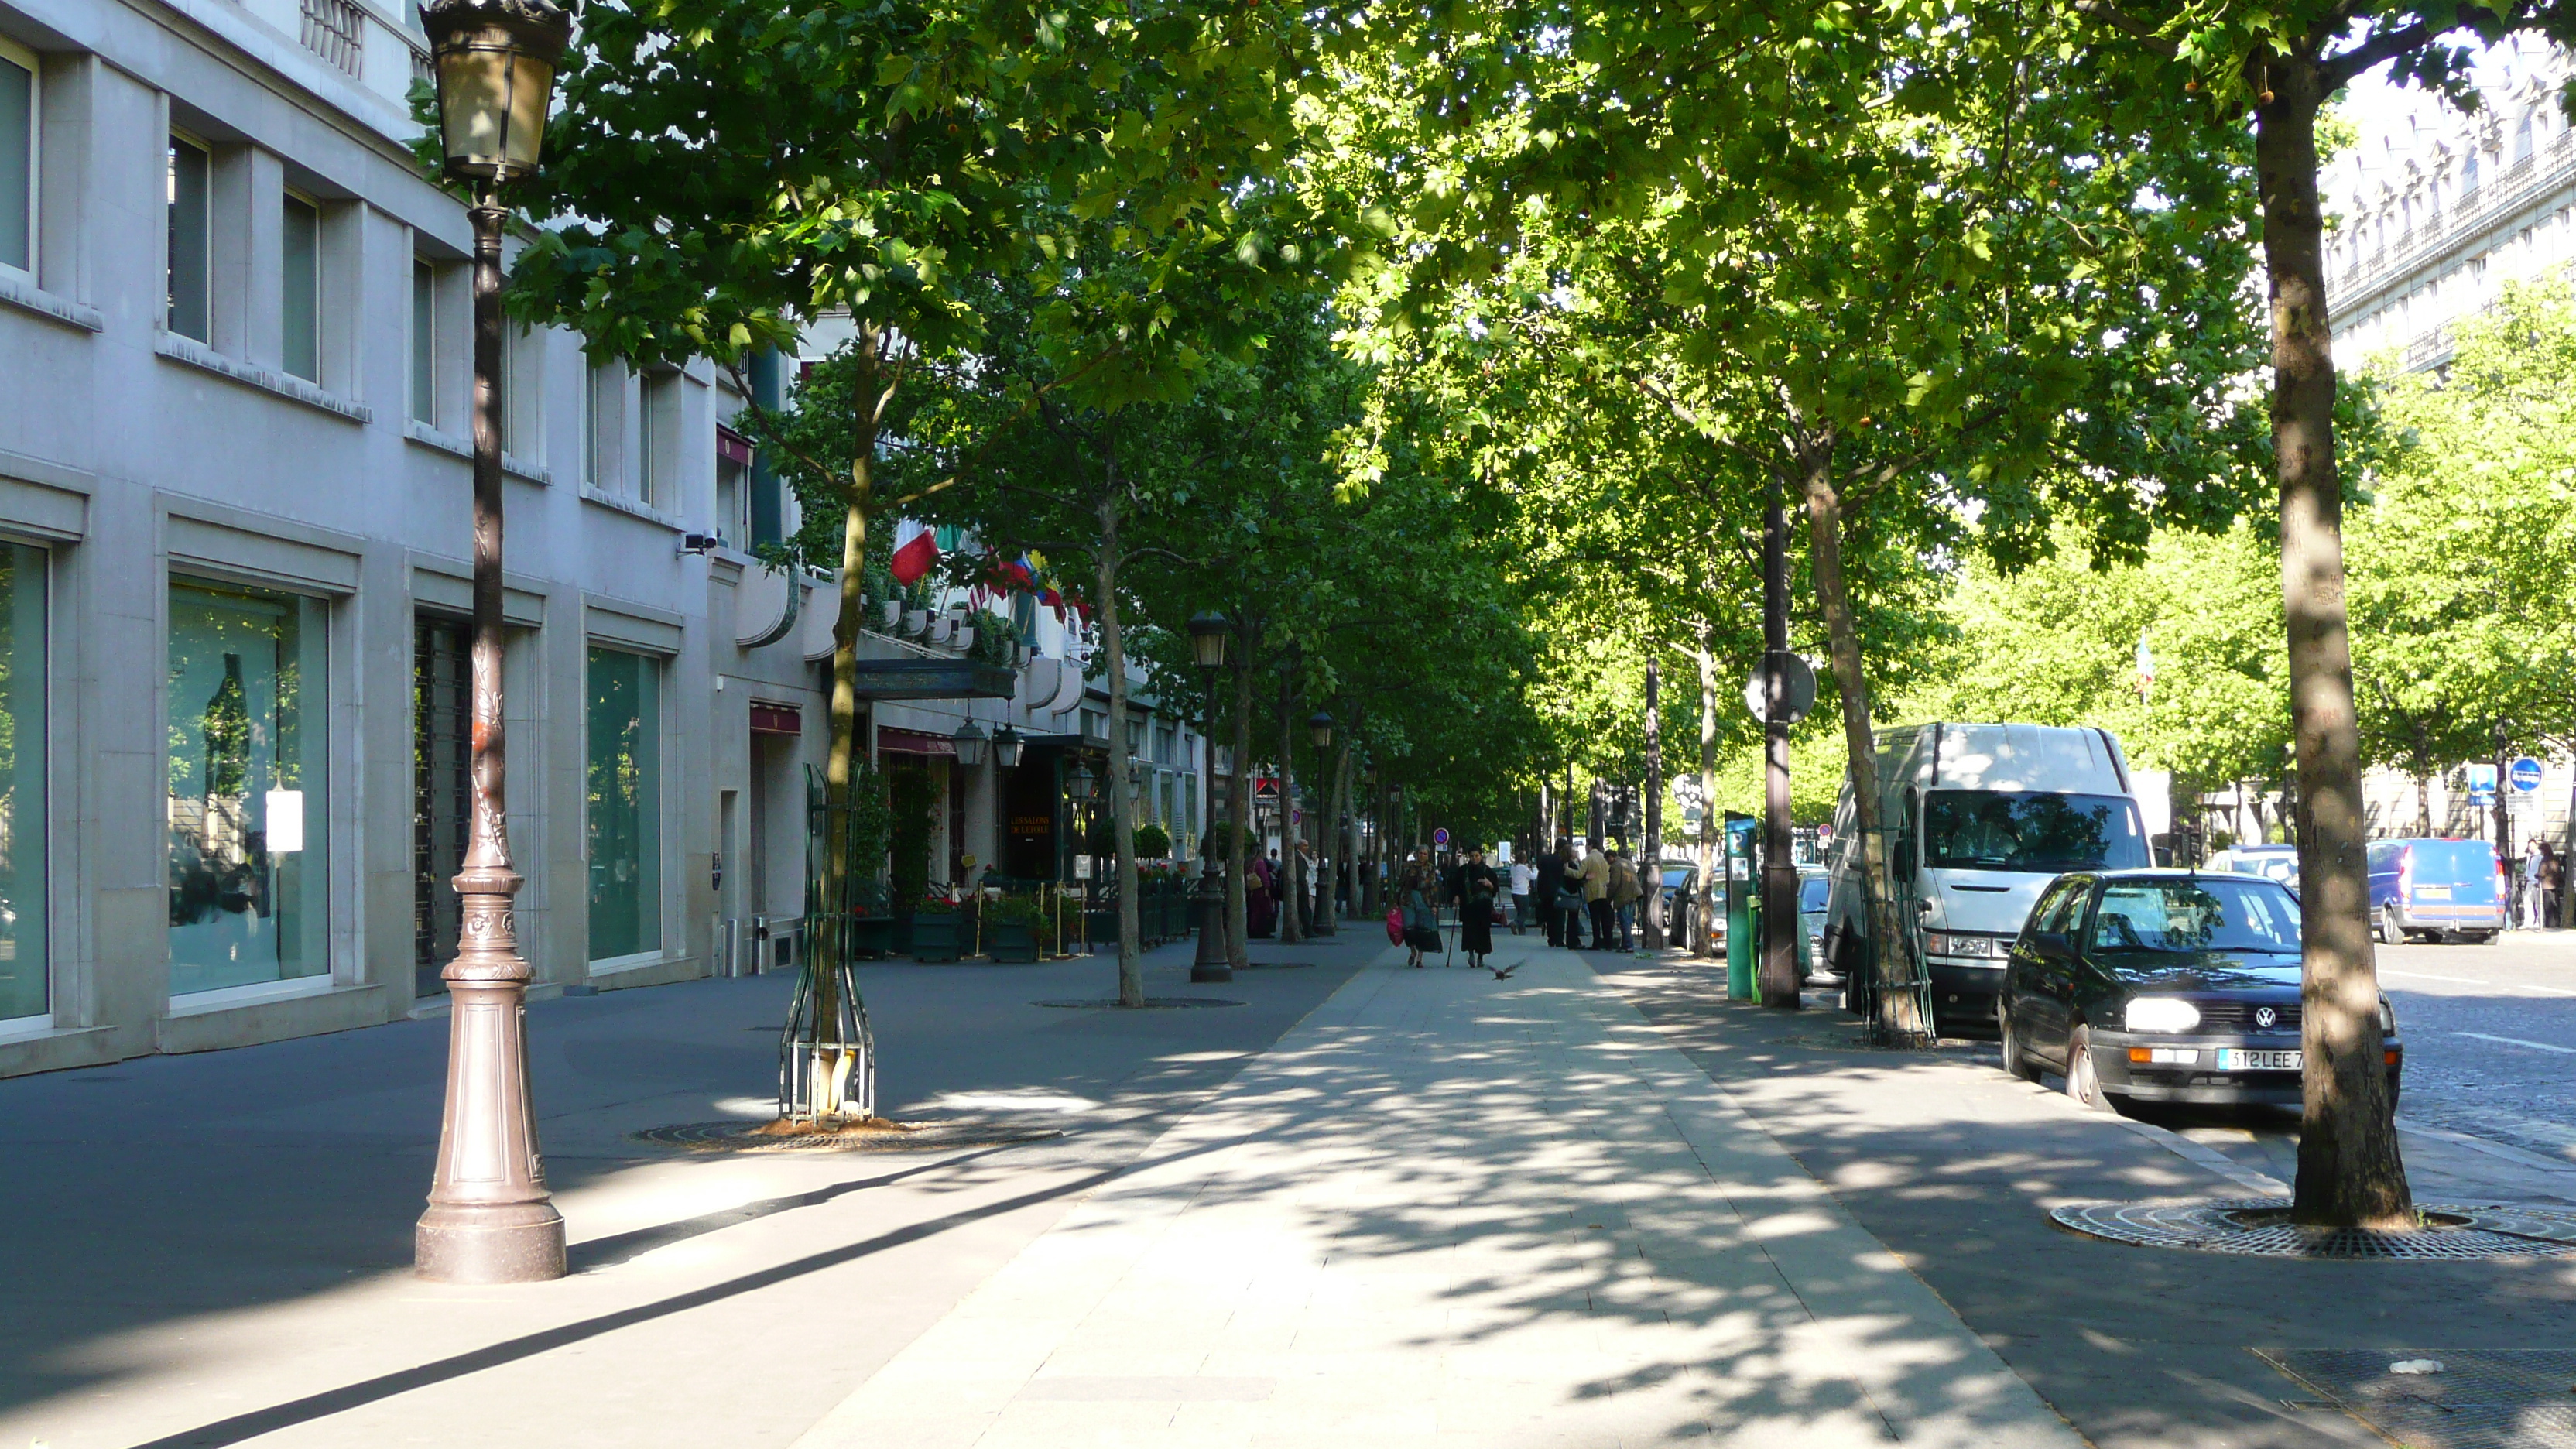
x=2261, y=1227
x=747, y=1136
x=1152, y=1003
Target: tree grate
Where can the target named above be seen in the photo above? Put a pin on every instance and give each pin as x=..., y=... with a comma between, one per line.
x=2260, y=1227
x=742, y=1136
x=2482, y=1399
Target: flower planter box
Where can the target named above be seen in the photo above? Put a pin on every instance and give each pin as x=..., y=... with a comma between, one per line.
x=1010, y=941
x=937, y=938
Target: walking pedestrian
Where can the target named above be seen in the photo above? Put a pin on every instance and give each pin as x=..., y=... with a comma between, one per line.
x=1596, y=896
x=1547, y=880
x=1420, y=886
x=1477, y=888
x=1523, y=879
x=1623, y=897
x=2548, y=878
x=1260, y=897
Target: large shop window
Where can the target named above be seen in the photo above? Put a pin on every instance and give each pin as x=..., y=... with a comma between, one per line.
x=625, y=805
x=249, y=787
x=22, y=783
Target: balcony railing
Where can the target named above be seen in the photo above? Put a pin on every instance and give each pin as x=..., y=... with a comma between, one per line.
x=336, y=30
x=2508, y=191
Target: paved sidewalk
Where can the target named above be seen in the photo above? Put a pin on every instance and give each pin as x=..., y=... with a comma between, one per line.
x=215, y=1249
x=1447, y=1209
x=1954, y=1165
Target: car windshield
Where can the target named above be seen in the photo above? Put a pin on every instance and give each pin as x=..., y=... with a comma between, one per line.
x=1677, y=876
x=2030, y=831
x=2210, y=913
x=1811, y=893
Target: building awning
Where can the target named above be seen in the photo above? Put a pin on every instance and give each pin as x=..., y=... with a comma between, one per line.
x=891, y=741
x=733, y=447
x=934, y=679
x=776, y=719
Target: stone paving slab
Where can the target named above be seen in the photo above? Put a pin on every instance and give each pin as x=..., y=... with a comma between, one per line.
x=1446, y=1210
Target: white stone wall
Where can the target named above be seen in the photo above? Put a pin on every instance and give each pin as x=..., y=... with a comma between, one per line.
x=135, y=456
x=2435, y=210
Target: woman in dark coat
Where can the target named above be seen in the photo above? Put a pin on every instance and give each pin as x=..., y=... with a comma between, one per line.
x=1551, y=881
x=1260, y=897
x=1477, y=887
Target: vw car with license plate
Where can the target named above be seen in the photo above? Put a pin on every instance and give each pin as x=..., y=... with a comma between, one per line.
x=2163, y=986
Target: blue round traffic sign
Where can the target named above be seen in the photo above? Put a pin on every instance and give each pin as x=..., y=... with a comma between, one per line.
x=1440, y=836
x=2525, y=775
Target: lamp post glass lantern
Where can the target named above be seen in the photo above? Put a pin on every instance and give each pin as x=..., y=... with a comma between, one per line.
x=969, y=742
x=1007, y=747
x=491, y=1218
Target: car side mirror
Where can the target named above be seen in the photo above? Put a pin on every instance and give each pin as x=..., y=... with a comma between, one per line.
x=2052, y=946
x=1922, y=908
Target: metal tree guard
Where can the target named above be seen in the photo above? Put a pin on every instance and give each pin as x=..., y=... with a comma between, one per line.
x=827, y=1057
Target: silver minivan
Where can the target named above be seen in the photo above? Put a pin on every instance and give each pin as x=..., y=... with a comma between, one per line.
x=1980, y=818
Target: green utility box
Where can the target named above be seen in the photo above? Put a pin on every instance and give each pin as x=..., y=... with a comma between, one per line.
x=1743, y=912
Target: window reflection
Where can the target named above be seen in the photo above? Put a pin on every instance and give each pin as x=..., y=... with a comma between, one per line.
x=248, y=782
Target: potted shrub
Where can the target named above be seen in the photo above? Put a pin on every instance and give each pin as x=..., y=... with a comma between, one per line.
x=1011, y=927
x=936, y=928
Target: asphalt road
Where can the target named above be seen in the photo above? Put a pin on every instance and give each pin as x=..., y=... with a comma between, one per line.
x=2490, y=1037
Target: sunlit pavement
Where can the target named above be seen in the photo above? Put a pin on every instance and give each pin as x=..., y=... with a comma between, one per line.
x=215, y=1249
x=1448, y=1209
x=1953, y=1165
x=1592, y=1204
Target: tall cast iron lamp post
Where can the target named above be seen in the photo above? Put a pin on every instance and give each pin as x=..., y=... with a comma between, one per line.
x=491, y=1218
x=1208, y=631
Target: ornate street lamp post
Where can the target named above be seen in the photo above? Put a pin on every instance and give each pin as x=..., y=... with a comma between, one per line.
x=490, y=1218
x=1208, y=633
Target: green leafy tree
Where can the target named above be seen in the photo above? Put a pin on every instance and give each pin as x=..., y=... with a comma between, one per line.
x=2281, y=63
x=1946, y=297
x=2465, y=556
x=730, y=172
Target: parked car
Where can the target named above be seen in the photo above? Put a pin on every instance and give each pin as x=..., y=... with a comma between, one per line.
x=2449, y=890
x=2163, y=986
x=1980, y=818
x=2272, y=862
x=1681, y=888
x=1814, y=889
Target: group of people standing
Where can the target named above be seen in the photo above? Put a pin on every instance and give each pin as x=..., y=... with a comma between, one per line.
x=1569, y=891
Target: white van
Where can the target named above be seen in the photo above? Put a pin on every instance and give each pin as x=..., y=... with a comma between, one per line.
x=1979, y=818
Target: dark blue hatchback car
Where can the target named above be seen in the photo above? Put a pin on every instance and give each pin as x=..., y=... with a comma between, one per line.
x=2164, y=986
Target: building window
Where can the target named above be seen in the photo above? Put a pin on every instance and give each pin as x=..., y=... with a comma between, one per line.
x=17, y=159
x=22, y=783
x=625, y=804
x=442, y=692
x=733, y=517
x=424, y=342
x=658, y=481
x=189, y=234
x=599, y=419
x=249, y=787
x=300, y=300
